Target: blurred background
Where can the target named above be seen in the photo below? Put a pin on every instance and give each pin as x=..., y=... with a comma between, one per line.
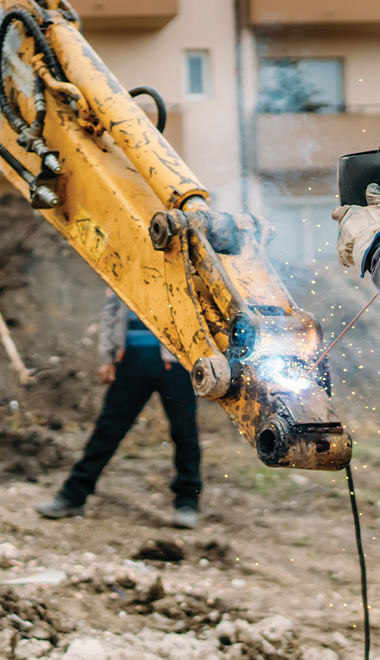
x=263, y=96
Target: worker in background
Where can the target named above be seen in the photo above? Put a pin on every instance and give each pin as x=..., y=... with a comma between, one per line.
x=135, y=365
x=359, y=234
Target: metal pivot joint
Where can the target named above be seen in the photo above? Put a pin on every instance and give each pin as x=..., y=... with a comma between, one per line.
x=211, y=377
x=160, y=231
x=164, y=225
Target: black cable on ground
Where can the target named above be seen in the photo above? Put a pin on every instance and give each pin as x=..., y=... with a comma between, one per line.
x=157, y=98
x=367, y=639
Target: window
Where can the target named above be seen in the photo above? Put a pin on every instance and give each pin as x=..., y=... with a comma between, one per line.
x=300, y=85
x=197, y=72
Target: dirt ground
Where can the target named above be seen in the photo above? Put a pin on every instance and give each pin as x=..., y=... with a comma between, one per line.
x=271, y=573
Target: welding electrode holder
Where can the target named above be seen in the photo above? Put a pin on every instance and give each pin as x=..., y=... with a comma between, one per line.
x=355, y=172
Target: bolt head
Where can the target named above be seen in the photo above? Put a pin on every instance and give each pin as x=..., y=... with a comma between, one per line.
x=160, y=231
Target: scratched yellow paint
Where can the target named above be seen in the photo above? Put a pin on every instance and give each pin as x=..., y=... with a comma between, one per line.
x=92, y=236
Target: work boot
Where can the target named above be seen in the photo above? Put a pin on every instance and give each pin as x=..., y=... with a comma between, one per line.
x=60, y=507
x=185, y=517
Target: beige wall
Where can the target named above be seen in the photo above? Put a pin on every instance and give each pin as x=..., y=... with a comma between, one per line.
x=322, y=12
x=308, y=141
x=147, y=14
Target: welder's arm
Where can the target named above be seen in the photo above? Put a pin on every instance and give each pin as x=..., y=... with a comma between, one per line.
x=359, y=234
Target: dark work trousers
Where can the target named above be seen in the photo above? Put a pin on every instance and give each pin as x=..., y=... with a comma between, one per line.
x=138, y=375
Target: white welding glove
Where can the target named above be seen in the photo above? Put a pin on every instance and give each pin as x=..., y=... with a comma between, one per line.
x=359, y=227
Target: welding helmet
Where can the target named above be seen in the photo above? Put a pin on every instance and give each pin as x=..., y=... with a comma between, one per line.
x=355, y=172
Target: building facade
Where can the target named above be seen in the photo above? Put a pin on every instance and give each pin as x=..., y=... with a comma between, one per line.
x=318, y=98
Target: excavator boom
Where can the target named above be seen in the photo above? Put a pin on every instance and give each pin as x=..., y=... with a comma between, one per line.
x=74, y=142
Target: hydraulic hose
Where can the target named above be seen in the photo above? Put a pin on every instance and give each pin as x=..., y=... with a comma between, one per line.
x=16, y=165
x=41, y=195
x=41, y=45
x=157, y=98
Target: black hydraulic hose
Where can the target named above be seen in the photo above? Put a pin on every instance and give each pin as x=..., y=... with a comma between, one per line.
x=16, y=165
x=157, y=98
x=41, y=46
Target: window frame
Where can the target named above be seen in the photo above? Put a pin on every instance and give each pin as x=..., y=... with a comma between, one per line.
x=331, y=107
x=204, y=55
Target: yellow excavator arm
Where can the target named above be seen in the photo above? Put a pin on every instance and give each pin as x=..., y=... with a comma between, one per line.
x=75, y=144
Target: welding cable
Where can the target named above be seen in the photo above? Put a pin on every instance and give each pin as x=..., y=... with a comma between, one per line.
x=42, y=46
x=157, y=98
x=363, y=571
x=350, y=481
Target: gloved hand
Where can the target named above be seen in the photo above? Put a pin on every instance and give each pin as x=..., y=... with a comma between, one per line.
x=359, y=228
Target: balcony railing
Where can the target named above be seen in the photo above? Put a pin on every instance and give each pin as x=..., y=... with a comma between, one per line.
x=309, y=141
x=324, y=13
x=133, y=14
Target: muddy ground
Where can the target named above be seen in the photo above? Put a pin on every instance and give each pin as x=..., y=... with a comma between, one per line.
x=271, y=573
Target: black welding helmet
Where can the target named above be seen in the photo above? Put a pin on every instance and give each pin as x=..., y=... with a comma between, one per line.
x=355, y=172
